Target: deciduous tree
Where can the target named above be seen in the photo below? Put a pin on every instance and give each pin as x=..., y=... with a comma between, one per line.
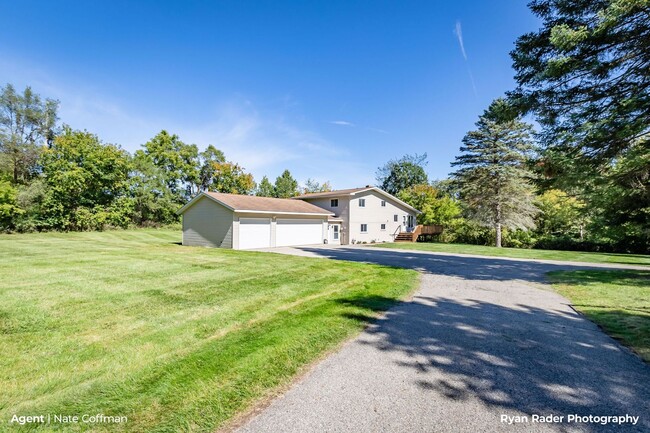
x=312, y=186
x=560, y=214
x=8, y=205
x=27, y=124
x=231, y=178
x=177, y=160
x=85, y=178
x=435, y=207
x=399, y=174
x=208, y=160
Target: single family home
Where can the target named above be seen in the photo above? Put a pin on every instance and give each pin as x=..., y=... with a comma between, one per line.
x=360, y=215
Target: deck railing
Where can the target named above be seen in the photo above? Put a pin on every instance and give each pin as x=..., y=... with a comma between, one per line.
x=426, y=231
x=414, y=233
x=431, y=229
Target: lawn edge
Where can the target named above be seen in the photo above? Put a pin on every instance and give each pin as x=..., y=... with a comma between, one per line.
x=306, y=370
x=601, y=265
x=620, y=342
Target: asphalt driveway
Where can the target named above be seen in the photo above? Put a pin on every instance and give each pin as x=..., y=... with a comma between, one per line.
x=482, y=339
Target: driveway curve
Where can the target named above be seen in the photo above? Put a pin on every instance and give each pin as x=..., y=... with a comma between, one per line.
x=482, y=343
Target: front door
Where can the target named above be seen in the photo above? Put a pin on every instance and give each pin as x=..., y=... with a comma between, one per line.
x=335, y=233
x=409, y=223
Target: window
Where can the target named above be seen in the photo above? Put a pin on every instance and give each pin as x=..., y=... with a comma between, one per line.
x=364, y=228
x=383, y=226
x=362, y=202
x=383, y=203
x=334, y=202
x=395, y=217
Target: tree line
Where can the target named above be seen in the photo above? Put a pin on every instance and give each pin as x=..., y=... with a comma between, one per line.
x=583, y=180
x=57, y=178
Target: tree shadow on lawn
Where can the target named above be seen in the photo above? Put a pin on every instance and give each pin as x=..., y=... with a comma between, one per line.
x=520, y=360
x=471, y=268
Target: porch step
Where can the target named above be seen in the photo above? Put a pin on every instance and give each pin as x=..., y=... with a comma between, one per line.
x=404, y=237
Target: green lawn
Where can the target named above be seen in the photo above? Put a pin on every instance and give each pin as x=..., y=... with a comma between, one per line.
x=175, y=338
x=521, y=253
x=618, y=301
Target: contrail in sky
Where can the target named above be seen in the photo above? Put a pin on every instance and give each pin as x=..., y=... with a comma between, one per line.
x=459, y=35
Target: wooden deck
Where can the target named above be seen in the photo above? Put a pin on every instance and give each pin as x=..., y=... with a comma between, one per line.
x=420, y=230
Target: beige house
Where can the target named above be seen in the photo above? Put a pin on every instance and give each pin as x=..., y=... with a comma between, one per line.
x=338, y=217
x=243, y=222
x=364, y=214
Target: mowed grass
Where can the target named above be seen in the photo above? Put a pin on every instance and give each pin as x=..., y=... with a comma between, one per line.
x=521, y=253
x=175, y=338
x=618, y=301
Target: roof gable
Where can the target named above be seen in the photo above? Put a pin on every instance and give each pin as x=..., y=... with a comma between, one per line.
x=335, y=193
x=254, y=204
x=355, y=191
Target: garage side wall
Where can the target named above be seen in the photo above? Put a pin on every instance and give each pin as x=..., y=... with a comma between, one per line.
x=207, y=224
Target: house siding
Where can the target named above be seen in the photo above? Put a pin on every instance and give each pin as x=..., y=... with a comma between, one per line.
x=374, y=214
x=342, y=211
x=208, y=224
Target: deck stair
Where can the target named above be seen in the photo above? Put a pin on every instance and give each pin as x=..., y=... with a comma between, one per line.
x=425, y=231
x=404, y=237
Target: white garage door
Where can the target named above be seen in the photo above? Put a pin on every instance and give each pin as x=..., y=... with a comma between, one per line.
x=254, y=233
x=298, y=232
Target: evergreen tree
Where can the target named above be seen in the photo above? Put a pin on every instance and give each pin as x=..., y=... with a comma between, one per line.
x=586, y=74
x=265, y=188
x=285, y=185
x=492, y=176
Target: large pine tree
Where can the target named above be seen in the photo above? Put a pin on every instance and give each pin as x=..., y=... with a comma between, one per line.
x=586, y=74
x=492, y=174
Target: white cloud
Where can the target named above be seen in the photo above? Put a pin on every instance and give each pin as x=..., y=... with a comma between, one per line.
x=264, y=142
x=257, y=140
x=342, y=123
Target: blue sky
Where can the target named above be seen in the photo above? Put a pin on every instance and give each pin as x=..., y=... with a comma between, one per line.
x=328, y=89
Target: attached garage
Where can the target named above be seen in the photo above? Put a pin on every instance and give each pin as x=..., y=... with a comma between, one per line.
x=254, y=233
x=249, y=222
x=298, y=232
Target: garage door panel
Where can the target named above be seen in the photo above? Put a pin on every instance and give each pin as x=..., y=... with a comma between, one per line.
x=254, y=233
x=298, y=232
